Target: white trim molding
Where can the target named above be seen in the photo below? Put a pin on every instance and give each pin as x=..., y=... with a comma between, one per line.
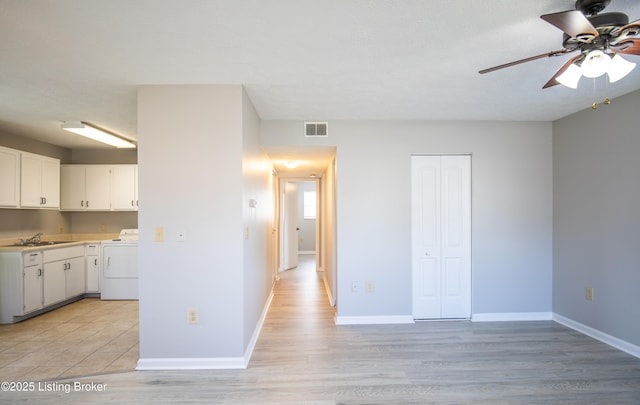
x=192, y=363
x=209, y=363
x=511, y=316
x=598, y=335
x=373, y=320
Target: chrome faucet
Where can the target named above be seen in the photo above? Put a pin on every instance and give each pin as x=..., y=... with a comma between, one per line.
x=34, y=239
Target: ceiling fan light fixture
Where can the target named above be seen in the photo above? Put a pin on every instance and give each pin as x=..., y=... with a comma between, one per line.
x=595, y=64
x=619, y=68
x=570, y=77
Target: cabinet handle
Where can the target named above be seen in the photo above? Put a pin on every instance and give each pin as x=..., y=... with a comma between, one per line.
x=45, y=200
x=95, y=262
x=132, y=203
x=82, y=203
x=39, y=272
x=87, y=203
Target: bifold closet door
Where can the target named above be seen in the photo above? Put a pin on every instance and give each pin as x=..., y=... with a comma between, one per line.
x=441, y=236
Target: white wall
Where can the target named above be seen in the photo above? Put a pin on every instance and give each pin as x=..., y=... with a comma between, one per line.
x=258, y=248
x=596, y=217
x=191, y=179
x=511, y=205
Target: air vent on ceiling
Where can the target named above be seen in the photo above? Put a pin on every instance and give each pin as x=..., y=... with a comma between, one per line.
x=316, y=129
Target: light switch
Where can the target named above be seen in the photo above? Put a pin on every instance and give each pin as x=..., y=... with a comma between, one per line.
x=159, y=234
x=182, y=236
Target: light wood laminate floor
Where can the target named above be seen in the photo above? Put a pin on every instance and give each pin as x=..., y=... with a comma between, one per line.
x=302, y=357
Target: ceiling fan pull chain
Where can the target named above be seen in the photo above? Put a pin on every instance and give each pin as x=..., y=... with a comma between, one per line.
x=607, y=100
x=595, y=96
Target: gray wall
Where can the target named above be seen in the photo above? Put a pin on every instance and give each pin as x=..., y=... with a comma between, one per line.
x=199, y=163
x=597, y=219
x=511, y=204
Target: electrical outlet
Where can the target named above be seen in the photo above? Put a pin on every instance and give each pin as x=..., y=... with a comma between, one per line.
x=355, y=287
x=589, y=293
x=192, y=316
x=60, y=228
x=103, y=228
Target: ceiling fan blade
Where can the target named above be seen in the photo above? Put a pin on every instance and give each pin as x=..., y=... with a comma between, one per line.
x=572, y=22
x=626, y=31
x=517, y=62
x=633, y=46
x=553, y=82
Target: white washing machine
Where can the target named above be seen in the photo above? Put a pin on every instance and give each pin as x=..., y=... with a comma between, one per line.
x=119, y=275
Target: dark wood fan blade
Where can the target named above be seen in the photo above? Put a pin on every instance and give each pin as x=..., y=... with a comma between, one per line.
x=572, y=22
x=629, y=30
x=553, y=82
x=633, y=46
x=517, y=62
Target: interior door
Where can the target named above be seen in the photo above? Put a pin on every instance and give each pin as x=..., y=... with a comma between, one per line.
x=290, y=226
x=441, y=237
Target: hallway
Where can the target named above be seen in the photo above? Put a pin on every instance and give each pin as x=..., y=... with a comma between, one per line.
x=303, y=357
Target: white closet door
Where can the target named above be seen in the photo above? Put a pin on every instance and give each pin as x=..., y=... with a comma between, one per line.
x=441, y=237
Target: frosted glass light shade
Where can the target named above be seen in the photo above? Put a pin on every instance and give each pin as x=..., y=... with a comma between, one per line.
x=595, y=64
x=619, y=68
x=570, y=76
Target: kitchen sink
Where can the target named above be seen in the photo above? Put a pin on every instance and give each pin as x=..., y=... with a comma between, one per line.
x=43, y=243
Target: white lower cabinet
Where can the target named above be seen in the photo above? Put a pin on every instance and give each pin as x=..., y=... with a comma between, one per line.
x=36, y=279
x=31, y=283
x=93, y=268
x=64, y=274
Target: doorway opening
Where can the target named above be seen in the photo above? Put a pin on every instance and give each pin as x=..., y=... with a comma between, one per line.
x=304, y=227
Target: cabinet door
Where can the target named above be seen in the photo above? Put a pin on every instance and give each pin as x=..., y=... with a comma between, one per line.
x=32, y=289
x=54, y=282
x=31, y=180
x=75, y=282
x=72, y=193
x=9, y=177
x=98, y=187
x=124, y=187
x=93, y=268
x=51, y=183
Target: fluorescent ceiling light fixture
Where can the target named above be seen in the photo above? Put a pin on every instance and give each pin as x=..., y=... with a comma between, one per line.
x=619, y=68
x=97, y=134
x=570, y=76
x=292, y=164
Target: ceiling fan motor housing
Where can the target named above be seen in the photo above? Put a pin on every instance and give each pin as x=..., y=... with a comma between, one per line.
x=591, y=7
x=604, y=24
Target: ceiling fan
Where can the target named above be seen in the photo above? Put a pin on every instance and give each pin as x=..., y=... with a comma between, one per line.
x=600, y=39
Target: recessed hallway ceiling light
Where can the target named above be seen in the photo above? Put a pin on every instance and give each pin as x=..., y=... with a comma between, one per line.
x=292, y=164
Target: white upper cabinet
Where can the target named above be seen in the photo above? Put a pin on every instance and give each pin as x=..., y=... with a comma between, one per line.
x=9, y=178
x=99, y=188
x=85, y=187
x=40, y=181
x=125, y=187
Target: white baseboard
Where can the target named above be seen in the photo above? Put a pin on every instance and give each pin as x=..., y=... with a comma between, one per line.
x=373, y=320
x=327, y=287
x=256, y=331
x=211, y=363
x=306, y=252
x=511, y=316
x=598, y=335
x=191, y=363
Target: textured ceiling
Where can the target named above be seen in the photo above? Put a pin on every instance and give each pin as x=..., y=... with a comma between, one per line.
x=298, y=59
